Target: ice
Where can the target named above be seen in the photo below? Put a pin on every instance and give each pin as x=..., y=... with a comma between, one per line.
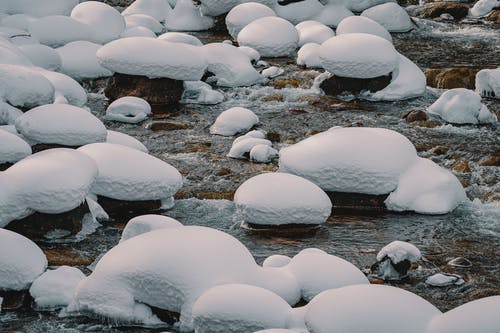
x=483, y=7
x=233, y=121
x=263, y=154
x=80, y=62
x=245, y=13
x=240, y=148
x=12, y=148
x=443, y=280
x=128, y=109
x=199, y=92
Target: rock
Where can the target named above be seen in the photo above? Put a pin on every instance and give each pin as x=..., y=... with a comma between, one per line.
x=462, y=166
x=337, y=85
x=45, y=146
x=159, y=91
x=427, y=123
x=415, y=115
x=120, y=208
x=348, y=202
x=64, y=257
x=284, y=230
x=439, y=150
x=490, y=161
x=5, y=166
x=449, y=78
x=13, y=299
x=457, y=10
x=166, y=126
x=494, y=16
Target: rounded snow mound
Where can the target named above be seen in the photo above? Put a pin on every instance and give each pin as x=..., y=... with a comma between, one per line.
x=148, y=178
x=299, y=11
x=262, y=153
x=245, y=13
x=276, y=260
x=145, y=223
x=38, y=8
x=128, y=109
x=399, y=251
x=137, y=31
x=308, y=56
x=483, y=7
x=67, y=90
x=313, y=32
x=153, y=58
x=234, y=120
x=80, y=62
x=157, y=9
x=42, y=56
x=10, y=53
x=333, y=14
x=145, y=21
x=280, y=198
x=180, y=37
x=359, y=5
x=364, y=25
x=358, y=55
x=270, y=36
x=12, y=148
x=488, y=82
x=125, y=140
x=217, y=7
x=61, y=124
x=187, y=17
x=391, y=16
x=58, y=30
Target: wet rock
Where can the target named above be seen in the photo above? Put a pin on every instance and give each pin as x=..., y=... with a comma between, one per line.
x=273, y=98
x=460, y=262
x=337, y=85
x=477, y=294
x=285, y=83
x=457, y=10
x=219, y=26
x=157, y=92
x=282, y=230
x=45, y=146
x=223, y=195
x=116, y=207
x=449, y=78
x=490, y=160
x=223, y=172
x=374, y=280
x=462, y=166
x=5, y=166
x=494, y=16
x=38, y=225
x=61, y=257
x=167, y=126
x=196, y=147
x=427, y=123
x=273, y=136
x=166, y=316
x=439, y=150
x=348, y=202
x=14, y=299
x=415, y=115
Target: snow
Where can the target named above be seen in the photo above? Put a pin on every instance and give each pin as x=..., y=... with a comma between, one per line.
x=146, y=21
x=477, y=316
x=426, y=188
x=39, y=8
x=180, y=37
x=280, y=198
x=250, y=52
x=461, y=106
x=263, y=154
x=66, y=87
x=146, y=223
x=106, y=21
x=137, y=31
x=233, y=121
x=18, y=21
x=80, y=62
x=276, y=260
x=245, y=13
x=362, y=24
x=217, y=7
x=443, y=280
x=58, y=30
x=399, y=251
x=21, y=261
x=282, y=42
x=199, y=92
x=55, y=288
x=42, y=56
x=313, y=32
x=391, y=16
x=147, y=178
x=327, y=159
x=308, y=56
x=10, y=54
x=359, y=309
x=299, y=11
x=125, y=140
x=332, y=14
x=239, y=308
x=162, y=59
x=483, y=7
x=272, y=71
x=358, y=55
x=360, y=5
x=8, y=114
x=488, y=82
x=158, y=9
x=231, y=66
x=61, y=124
x=128, y=109
x=12, y=148
x=244, y=146
x=258, y=134
x=187, y=17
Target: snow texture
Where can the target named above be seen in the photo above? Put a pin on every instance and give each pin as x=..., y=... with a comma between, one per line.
x=146, y=21
x=276, y=260
x=12, y=148
x=263, y=154
x=391, y=16
x=66, y=88
x=364, y=25
x=187, y=17
x=42, y=56
x=58, y=30
x=332, y=15
x=359, y=5
x=245, y=13
x=9, y=114
x=38, y=8
x=10, y=54
x=299, y=11
x=137, y=31
x=399, y=251
x=240, y=148
x=308, y=56
x=483, y=7
x=217, y=7
x=128, y=109
x=488, y=82
x=18, y=21
x=158, y=9
x=125, y=140
x=313, y=32
x=80, y=62
x=443, y=280
x=199, y=92
x=233, y=121
x=146, y=223
x=180, y=37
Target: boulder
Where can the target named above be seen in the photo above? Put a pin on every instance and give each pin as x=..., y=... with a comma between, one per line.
x=337, y=85
x=457, y=10
x=449, y=78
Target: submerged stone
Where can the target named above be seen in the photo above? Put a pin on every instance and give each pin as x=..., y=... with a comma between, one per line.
x=337, y=85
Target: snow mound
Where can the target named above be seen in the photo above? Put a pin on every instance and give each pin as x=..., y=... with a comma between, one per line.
x=10, y=54
x=180, y=37
x=245, y=13
x=18, y=21
x=9, y=114
x=162, y=59
x=427, y=188
x=280, y=198
x=128, y=109
x=461, y=106
x=158, y=9
x=187, y=17
x=106, y=21
x=276, y=260
x=42, y=56
x=308, y=56
x=262, y=154
x=444, y=280
x=282, y=42
x=327, y=159
x=55, y=288
x=217, y=7
x=358, y=309
x=483, y=7
x=146, y=21
x=137, y=31
x=125, y=140
x=12, y=148
x=67, y=90
x=488, y=82
x=332, y=14
x=391, y=16
x=61, y=124
x=297, y=12
x=148, y=178
x=242, y=147
x=80, y=62
x=239, y=308
x=313, y=32
x=234, y=120
x=358, y=55
x=38, y=8
x=199, y=92
x=21, y=261
x=58, y=30
x=364, y=25
x=145, y=223
x=399, y=251
x=360, y=5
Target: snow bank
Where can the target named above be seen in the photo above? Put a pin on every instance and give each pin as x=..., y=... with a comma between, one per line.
x=299, y=11
x=58, y=30
x=313, y=32
x=145, y=223
x=128, y=109
x=42, y=56
x=234, y=120
x=148, y=178
x=332, y=14
x=21, y=261
x=12, y=148
x=125, y=140
x=180, y=37
x=158, y=9
x=80, y=62
x=187, y=17
x=146, y=21
x=391, y=16
x=67, y=90
x=10, y=54
x=364, y=25
x=38, y=8
x=245, y=13
x=308, y=56
x=483, y=7
x=280, y=198
x=488, y=82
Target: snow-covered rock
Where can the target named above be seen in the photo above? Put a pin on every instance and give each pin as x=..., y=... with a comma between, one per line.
x=217, y=7
x=272, y=71
x=358, y=55
x=80, y=62
x=245, y=13
x=128, y=109
x=263, y=154
x=444, y=280
x=137, y=31
x=258, y=134
x=391, y=16
x=10, y=54
x=42, y=56
x=240, y=148
x=358, y=309
x=55, y=288
x=153, y=58
x=483, y=7
x=281, y=42
x=58, y=30
x=252, y=53
x=364, y=25
x=199, y=92
x=308, y=56
x=427, y=188
x=158, y=9
x=233, y=121
x=394, y=260
x=61, y=124
x=106, y=21
x=18, y=21
x=12, y=148
x=66, y=89
x=180, y=37
x=327, y=159
x=239, y=308
x=276, y=260
x=38, y=8
x=280, y=198
x=461, y=106
x=21, y=261
x=187, y=17
x=313, y=32
x=297, y=12
x=360, y=5
x=488, y=82
x=148, y=178
x=332, y=14
x=143, y=20
x=125, y=140
x=146, y=223
x=9, y=114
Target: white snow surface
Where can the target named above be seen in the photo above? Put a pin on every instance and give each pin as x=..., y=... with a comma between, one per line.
x=137, y=31
x=199, y=92
x=125, y=140
x=245, y=145
x=217, y=7
x=42, y=56
x=299, y=11
x=398, y=251
x=9, y=114
x=263, y=154
x=128, y=109
x=280, y=198
x=282, y=42
x=10, y=54
x=358, y=308
x=146, y=223
x=65, y=88
x=80, y=62
x=146, y=21
x=158, y=9
x=243, y=14
x=488, y=82
x=12, y=148
x=443, y=280
x=360, y=5
x=18, y=21
x=58, y=30
x=38, y=8
x=276, y=260
x=327, y=159
x=308, y=56
x=362, y=24
x=313, y=32
x=233, y=121
x=21, y=261
x=333, y=14
x=391, y=16
x=187, y=17
x=180, y=37
x=153, y=58
x=55, y=288
x=132, y=175
x=483, y=7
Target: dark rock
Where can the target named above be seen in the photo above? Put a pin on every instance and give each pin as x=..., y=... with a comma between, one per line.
x=494, y=16
x=449, y=78
x=348, y=202
x=61, y=257
x=167, y=126
x=490, y=161
x=273, y=136
x=45, y=146
x=457, y=10
x=226, y=195
x=14, y=299
x=336, y=85
x=439, y=150
x=166, y=316
x=116, y=207
x=462, y=166
x=5, y=166
x=220, y=25
x=427, y=123
x=416, y=115
x=37, y=225
x=283, y=230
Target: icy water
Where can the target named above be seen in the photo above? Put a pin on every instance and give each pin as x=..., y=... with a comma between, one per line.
x=292, y=113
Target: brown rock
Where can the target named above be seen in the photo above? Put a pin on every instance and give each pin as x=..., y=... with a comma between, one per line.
x=416, y=115
x=337, y=85
x=332, y=104
x=427, y=123
x=283, y=230
x=457, y=10
x=14, y=299
x=494, y=16
x=61, y=257
x=449, y=78
x=462, y=166
x=273, y=98
x=116, y=207
x=285, y=83
x=197, y=147
x=348, y=202
x=439, y=150
x=273, y=136
x=224, y=195
x=490, y=161
x=44, y=146
x=166, y=126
